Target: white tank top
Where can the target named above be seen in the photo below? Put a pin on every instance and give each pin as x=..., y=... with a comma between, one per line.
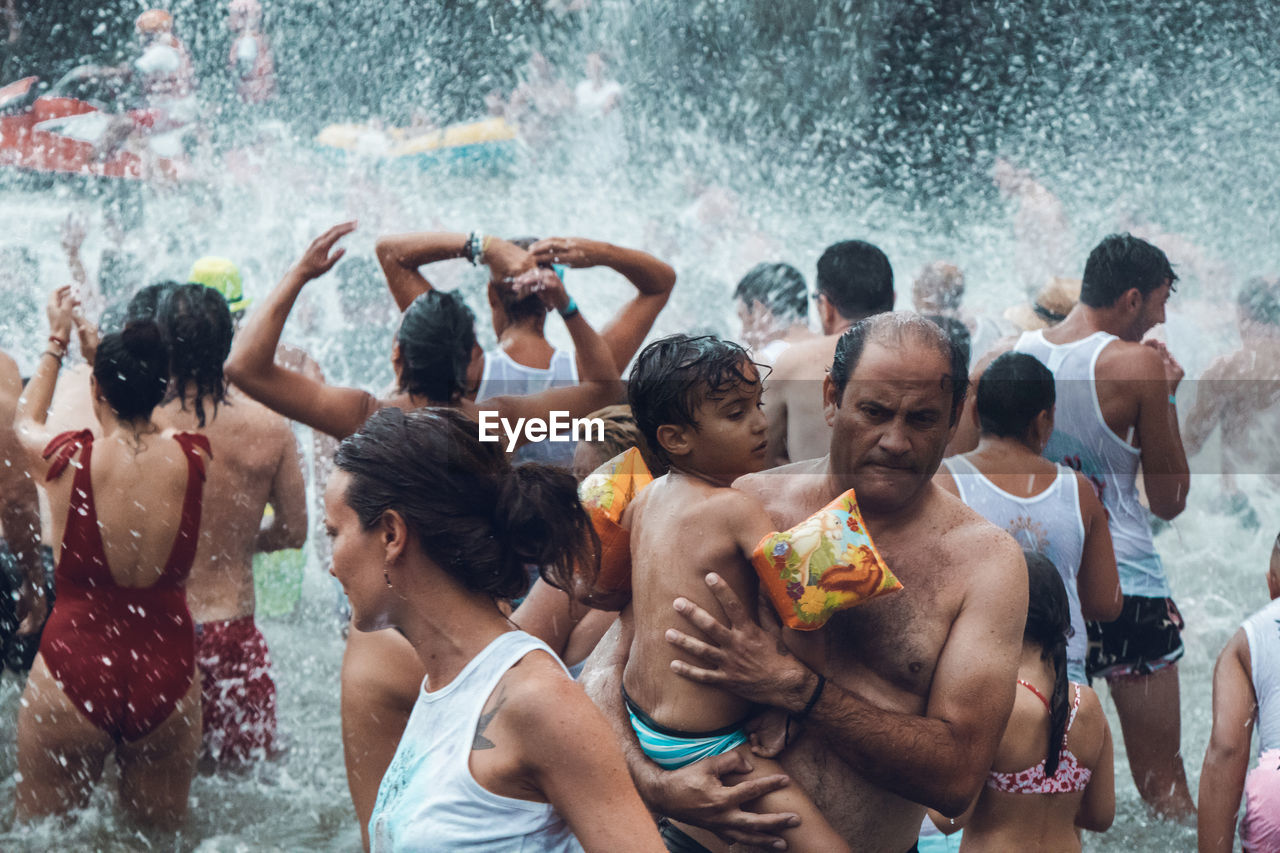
x=428, y=799
x=504, y=377
x=1048, y=523
x=1263, y=632
x=1082, y=440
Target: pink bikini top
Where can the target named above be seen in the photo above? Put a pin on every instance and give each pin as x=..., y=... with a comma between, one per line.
x=1069, y=778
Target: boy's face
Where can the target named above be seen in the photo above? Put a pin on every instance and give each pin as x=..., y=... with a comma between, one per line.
x=729, y=439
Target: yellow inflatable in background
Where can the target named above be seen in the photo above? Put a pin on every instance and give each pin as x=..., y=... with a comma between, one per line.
x=395, y=142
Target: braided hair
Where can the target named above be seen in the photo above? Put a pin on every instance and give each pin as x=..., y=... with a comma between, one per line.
x=1049, y=626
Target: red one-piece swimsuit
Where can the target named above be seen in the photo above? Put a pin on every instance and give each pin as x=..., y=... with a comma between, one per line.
x=123, y=655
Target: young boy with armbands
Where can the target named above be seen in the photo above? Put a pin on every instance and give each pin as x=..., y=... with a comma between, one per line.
x=697, y=401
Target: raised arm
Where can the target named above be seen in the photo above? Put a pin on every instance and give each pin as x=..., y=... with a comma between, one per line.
x=1164, y=463
x=696, y=793
x=939, y=759
x=598, y=382
x=774, y=401
x=252, y=366
x=1098, y=581
x=32, y=414
x=288, y=525
x=403, y=255
x=1226, y=761
x=653, y=280
x=19, y=504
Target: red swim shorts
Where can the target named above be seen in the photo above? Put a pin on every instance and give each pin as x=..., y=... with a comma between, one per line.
x=236, y=691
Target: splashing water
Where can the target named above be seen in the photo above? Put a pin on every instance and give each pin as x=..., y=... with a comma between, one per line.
x=746, y=131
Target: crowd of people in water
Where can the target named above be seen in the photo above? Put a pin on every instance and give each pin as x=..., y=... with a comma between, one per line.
x=1008, y=473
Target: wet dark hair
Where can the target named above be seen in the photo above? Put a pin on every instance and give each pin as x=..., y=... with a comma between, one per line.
x=779, y=287
x=477, y=517
x=1013, y=390
x=197, y=327
x=436, y=337
x=893, y=328
x=1259, y=300
x=1119, y=263
x=145, y=303
x=956, y=330
x=856, y=278
x=673, y=375
x=1049, y=627
x=132, y=369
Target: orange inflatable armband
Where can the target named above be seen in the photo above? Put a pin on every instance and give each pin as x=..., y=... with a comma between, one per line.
x=605, y=494
x=825, y=563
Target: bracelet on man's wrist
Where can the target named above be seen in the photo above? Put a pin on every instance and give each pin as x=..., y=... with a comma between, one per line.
x=813, y=699
x=58, y=355
x=569, y=310
x=62, y=342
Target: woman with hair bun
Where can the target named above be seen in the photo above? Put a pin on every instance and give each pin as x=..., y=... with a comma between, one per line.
x=116, y=667
x=503, y=751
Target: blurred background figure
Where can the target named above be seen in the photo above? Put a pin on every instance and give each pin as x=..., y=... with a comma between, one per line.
x=252, y=65
x=773, y=306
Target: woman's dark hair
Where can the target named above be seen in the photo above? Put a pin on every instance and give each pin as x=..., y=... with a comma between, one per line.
x=1049, y=626
x=436, y=337
x=477, y=517
x=132, y=369
x=672, y=376
x=1013, y=390
x=197, y=327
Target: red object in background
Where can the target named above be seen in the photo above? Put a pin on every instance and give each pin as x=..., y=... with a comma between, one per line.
x=26, y=142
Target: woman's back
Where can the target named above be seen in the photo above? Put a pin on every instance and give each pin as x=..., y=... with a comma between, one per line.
x=137, y=495
x=1021, y=820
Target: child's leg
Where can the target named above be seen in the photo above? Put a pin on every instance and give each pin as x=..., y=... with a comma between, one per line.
x=814, y=834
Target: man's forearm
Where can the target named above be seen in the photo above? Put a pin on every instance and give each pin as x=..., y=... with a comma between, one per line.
x=918, y=758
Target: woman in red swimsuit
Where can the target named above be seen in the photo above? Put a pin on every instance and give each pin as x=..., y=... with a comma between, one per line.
x=116, y=668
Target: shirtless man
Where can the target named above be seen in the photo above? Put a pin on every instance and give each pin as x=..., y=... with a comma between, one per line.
x=19, y=521
x=1240, y=392
x=1116, y=412
x=917, y=686
x=854, y=281
x=255, y=463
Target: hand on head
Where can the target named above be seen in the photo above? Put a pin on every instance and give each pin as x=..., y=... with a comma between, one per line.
x=545, y=283
x=570, y=251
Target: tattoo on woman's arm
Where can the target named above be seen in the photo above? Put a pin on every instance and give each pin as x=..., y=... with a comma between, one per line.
x=486, y=717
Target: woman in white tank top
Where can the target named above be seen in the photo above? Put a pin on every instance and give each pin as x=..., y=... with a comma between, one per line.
x=1048, y=508
x=504, y=752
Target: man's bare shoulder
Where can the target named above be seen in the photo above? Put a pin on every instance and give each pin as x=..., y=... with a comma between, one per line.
x=788, y=492
x=806, y=359
x=1127, y=361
